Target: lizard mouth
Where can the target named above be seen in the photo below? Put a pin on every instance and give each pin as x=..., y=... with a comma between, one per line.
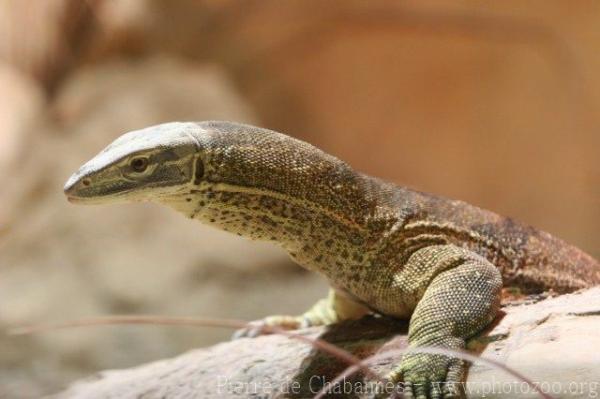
x=83, y=190
x=86, y=200
x=74, y=200
x=97, y=200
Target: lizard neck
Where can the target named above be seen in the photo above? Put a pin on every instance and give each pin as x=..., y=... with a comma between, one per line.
x=264, y=185
x=318, y=237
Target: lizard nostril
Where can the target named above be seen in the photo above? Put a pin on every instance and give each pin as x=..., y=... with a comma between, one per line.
x=86, y=182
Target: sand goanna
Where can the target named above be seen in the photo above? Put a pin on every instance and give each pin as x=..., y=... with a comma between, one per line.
x=383, y=248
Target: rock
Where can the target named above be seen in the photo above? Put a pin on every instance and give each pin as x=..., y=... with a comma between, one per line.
x=551, y=342
x=59, y=261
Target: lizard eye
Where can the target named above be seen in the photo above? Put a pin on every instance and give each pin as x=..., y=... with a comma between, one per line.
x=139, y=164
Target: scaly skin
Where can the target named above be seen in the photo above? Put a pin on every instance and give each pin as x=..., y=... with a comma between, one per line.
x=383, y=248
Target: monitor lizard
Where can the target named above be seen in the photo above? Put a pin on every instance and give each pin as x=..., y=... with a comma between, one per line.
x=384, y=248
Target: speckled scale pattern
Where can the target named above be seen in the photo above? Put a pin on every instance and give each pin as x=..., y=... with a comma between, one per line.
x=384, y=248
x=254, y=157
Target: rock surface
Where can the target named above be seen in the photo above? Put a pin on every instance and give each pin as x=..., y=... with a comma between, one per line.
x=59, y=261
x=553, y=343
x=494, y=103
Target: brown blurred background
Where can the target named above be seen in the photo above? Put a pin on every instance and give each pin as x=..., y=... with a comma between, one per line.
x=495, y=103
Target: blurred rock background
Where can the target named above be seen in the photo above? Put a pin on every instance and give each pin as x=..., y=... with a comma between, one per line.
x=492, y=103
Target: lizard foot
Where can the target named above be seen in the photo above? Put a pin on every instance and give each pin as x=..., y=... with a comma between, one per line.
x=429, y=376
x=329, y=310
x=260, y=327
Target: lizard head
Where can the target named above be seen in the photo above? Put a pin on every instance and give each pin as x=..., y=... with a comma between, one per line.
x=138, y=166
x=229, y=175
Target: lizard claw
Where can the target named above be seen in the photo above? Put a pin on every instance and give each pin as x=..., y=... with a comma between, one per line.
x=429, y=377
x=260, y=327
x=252, y=330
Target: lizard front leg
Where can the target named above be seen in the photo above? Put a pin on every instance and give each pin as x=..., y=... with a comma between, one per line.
x=462, y=296
x=336, y=307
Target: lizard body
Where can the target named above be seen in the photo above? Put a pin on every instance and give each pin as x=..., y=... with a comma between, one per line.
x=383, y=248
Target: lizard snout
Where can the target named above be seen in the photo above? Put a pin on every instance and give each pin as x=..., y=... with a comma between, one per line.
x=74, y=185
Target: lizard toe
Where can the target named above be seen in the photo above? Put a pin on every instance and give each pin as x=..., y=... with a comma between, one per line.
x=266, y=325
x=427, y=376
x=252, y=330
x=408, y=391
x=421, y=390
x=453, y=379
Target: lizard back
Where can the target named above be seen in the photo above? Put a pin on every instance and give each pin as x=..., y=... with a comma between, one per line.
x=530, y=259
